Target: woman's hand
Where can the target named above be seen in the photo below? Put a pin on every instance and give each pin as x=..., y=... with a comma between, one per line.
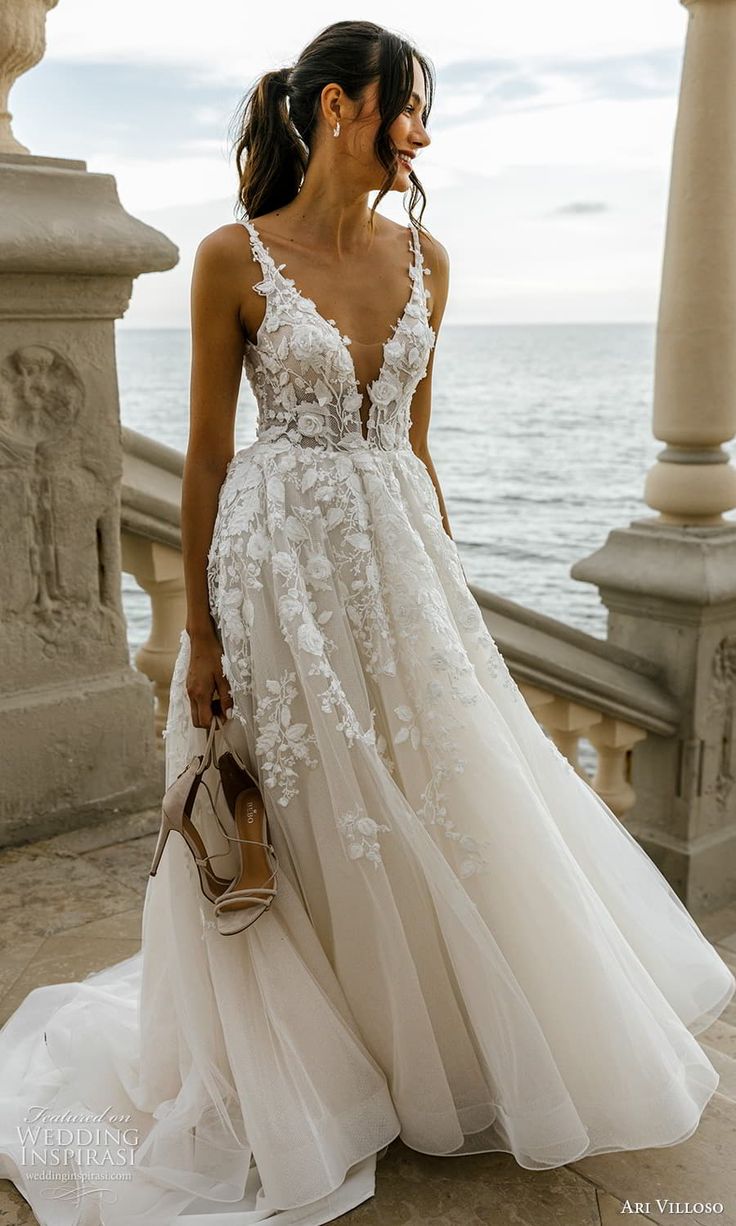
x=205, y=678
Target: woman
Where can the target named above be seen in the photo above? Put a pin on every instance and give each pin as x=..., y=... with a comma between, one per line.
x=466, y=947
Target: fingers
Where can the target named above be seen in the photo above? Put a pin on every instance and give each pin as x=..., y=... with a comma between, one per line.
x=201, y=714
x=202, y=707
x=224, y=695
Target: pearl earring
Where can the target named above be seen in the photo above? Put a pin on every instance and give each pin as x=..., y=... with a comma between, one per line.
x=336, y=129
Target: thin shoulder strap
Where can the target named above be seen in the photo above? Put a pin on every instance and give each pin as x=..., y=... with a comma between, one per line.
x=416, y=244
x=419, y=272
x=260, y=250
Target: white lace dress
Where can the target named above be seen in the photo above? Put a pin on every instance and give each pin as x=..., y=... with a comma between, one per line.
x=467, y=948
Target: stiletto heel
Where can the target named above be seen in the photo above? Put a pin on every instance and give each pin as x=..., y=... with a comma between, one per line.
x=163, y=835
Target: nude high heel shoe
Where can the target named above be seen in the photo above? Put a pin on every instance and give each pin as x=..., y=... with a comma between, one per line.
x=239, y=906
x=176, y=814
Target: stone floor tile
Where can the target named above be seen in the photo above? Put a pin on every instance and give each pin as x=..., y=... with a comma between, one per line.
x=721, y=1036
x=701, y=1168
x=613, y=1211
x=14, y=1210
x=415, y=1189
x=14, y=960
x=729, y=1013
x=129, y=863
x=725, y=1066
x=125, y=924
x=728, y=942
x=728, y=955
x=719, y=923
x=43, y=893
x=65, y=959
x=118, y=828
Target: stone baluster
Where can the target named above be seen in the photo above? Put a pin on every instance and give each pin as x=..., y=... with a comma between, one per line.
x=566, y=722
x=613, y=740
x=158, y=570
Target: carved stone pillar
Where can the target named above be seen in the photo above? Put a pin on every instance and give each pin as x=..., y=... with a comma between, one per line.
x=669, y=581
x=76, y=720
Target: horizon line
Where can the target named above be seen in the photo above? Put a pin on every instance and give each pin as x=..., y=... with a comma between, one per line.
x=510, y=323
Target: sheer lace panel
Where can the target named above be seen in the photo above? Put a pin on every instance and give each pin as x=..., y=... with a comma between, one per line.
x=303, y=376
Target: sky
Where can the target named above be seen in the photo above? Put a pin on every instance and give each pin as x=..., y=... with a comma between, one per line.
x=547, y=175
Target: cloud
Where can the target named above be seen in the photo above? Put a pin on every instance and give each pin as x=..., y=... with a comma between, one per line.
x=581, y=207
x=494, y=85
x=122, y=109
x=647, y=74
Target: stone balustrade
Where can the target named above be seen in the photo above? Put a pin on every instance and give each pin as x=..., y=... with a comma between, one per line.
x=569, y=723
x=583, y=691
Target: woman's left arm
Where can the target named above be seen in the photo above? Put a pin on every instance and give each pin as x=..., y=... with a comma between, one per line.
x=421, y=406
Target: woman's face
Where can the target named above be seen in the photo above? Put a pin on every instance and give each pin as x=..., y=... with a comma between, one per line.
x=408, y=132
x=358, y=131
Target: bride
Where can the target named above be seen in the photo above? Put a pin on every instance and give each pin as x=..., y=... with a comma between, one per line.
x=465, y=947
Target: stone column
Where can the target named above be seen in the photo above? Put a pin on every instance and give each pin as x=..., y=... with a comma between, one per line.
x=693, y=481
x=669, y=581
x=76, y=720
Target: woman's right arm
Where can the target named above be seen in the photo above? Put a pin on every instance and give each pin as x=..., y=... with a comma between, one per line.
x=216, y=368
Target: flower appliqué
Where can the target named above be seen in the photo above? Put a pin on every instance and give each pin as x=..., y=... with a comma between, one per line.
x=281, y=742
x=361, y=835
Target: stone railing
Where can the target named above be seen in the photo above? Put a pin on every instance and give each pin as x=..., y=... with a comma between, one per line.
x=580, y=688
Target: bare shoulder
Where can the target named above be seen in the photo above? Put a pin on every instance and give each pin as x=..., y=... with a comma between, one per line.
x=221, y=248
x=224, y=271
x=435, y=255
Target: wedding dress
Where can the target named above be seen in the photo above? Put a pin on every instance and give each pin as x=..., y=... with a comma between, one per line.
x=467, y=949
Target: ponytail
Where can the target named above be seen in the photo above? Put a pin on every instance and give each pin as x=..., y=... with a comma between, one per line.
x=270, y=157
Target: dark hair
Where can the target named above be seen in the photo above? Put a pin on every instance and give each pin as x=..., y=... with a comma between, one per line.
x=276, y=120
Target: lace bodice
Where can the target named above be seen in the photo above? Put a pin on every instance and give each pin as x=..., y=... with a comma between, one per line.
x=303, y=375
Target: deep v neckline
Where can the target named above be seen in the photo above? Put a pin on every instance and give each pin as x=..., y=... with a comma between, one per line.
x=344, y=339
